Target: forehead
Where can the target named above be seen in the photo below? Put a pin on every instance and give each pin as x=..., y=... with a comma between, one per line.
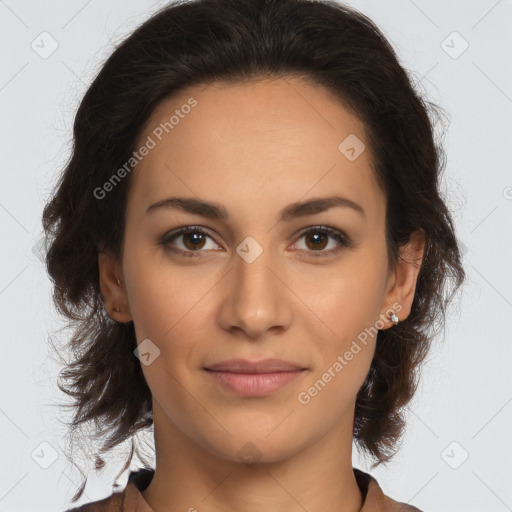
x=255, y=141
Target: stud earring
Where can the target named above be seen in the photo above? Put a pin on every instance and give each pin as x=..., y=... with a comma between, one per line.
x=393, y=318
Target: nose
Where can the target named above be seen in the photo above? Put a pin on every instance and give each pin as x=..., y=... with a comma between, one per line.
x=257, y=301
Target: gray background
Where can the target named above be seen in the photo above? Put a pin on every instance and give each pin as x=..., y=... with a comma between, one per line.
x=457, y=450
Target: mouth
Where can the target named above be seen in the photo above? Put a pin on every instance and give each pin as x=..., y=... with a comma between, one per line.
x=253, y=379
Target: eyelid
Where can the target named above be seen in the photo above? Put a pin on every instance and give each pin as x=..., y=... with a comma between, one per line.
x=176, y=233
x=343, y=240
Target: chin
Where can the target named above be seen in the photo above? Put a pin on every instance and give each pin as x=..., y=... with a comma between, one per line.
x=250, y=448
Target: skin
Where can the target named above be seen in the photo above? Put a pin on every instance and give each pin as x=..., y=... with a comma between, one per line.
x=255, y=147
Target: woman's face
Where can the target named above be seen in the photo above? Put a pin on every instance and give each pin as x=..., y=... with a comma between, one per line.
x=249, y=281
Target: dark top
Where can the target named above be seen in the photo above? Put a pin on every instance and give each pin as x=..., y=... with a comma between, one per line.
x=131, y=500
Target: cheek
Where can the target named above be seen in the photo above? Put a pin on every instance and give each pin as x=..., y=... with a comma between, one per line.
x=168, y=303
x=351, y=299
x=161, y=294
x=341, y=368
x=349, y=310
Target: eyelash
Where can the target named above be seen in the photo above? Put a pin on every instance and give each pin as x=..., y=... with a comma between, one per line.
x=339, y=236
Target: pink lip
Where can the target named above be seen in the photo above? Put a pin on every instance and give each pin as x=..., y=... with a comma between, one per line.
x=254, y=384
x=263, y=366
x=258, y=378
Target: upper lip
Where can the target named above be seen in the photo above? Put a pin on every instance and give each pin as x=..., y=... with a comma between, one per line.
x=262, y=366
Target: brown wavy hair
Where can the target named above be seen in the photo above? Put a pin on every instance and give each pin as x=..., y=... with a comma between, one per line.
x=196, y=42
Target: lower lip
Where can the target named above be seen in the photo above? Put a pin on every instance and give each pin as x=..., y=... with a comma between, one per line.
x=254, y=384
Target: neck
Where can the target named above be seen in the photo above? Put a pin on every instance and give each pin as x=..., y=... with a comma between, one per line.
x=190, y=477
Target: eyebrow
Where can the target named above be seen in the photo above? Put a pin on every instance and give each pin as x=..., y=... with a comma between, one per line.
x=214, y=210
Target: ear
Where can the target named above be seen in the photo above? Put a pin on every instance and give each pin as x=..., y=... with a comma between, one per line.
x=112, y=288
x=403, y=275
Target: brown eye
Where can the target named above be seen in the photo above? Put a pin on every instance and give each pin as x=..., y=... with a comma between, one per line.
x=317, y=239
x=187, y=241
x=193, y=240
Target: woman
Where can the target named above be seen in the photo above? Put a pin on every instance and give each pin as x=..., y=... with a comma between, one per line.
x=251, y=241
